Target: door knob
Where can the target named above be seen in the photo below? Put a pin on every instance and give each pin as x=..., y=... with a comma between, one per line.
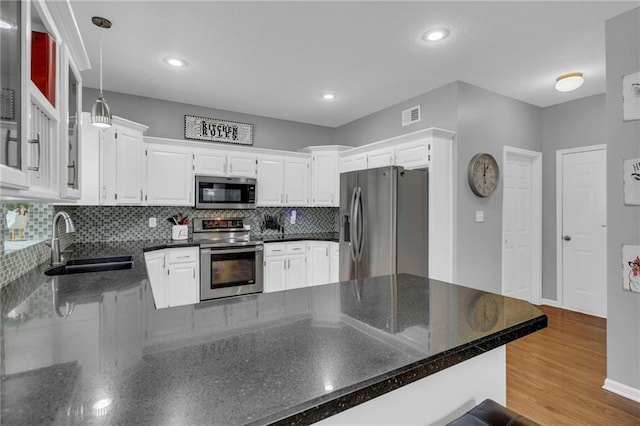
x=567, y=237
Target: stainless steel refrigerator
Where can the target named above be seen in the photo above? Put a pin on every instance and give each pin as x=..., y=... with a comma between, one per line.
x=383, y=222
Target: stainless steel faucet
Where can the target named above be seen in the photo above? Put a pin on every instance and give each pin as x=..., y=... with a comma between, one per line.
x=55, y=242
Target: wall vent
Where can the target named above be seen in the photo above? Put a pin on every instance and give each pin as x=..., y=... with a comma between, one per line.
x=411, y=115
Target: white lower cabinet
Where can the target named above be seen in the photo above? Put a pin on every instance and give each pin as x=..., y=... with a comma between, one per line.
x=319, y=270
x=298, y=264
x=285, y=266
x=334, y=249
x=174, y=275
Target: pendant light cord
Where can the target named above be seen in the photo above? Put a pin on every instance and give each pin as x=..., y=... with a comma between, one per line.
x=101, y=62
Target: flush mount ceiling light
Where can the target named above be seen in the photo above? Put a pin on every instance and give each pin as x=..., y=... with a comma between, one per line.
x=100, y=113
x=435, y=35
x=568, y=82
x=174, y=62
x=328, y=96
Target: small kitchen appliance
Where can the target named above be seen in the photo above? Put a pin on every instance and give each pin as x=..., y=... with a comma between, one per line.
x=219, y=192
x=230, y=260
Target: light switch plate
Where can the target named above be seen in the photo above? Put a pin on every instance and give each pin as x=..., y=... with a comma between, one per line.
x=479, y=216
x=153, y=222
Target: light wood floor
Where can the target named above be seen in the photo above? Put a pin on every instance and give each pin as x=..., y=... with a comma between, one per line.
x=555, y=376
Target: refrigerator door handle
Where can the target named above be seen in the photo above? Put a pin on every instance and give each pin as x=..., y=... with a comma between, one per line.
x=359, y=225
x=352, y=223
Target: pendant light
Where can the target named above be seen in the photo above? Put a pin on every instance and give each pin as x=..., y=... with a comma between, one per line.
x=100, y=113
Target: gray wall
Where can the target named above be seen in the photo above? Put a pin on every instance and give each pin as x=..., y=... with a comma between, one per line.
x=484, y=122
x=437, y=109
x=487, y=122
x=623, y=308
x=568, y=125
x=166, y=119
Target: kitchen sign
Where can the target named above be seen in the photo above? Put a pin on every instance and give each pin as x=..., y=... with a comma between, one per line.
x=214, y=130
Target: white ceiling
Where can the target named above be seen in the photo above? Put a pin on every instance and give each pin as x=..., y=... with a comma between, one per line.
x=275, y=59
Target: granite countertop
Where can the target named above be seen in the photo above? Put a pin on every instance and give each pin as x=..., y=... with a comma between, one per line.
x=296, y=356
x=151, y=245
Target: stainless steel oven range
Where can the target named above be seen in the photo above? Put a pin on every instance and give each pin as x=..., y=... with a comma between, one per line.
x=230, y=261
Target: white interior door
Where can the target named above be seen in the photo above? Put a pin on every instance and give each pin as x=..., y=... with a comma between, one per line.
x=517, y=263
x=584, y=231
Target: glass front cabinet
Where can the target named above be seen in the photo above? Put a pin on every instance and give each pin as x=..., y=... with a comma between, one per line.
x=41, y=97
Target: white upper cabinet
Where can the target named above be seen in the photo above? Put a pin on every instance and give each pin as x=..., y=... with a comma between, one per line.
x=209, y=162
x=412, y=154
x=380, y=158
x=242, y=164
x=283, y=180
x=222, y=163
x=121, y=163
x=168, y=175
x=296, y=181
x=38, y=126
x=350, y=163
x=270, y=185
x=325, y=180
x=70, y=135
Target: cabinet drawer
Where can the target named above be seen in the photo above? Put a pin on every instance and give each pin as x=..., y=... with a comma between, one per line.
x=181, y=255
x=296, y=248
x=275, y=249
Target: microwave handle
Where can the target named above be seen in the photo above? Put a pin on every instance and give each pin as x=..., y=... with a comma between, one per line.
x=209, y=251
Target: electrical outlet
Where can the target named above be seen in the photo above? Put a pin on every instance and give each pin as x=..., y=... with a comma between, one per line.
x=479, y=216
x=293, y=217
x=153, y=222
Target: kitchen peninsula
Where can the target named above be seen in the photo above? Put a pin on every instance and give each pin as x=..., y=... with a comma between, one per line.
x=92, y=348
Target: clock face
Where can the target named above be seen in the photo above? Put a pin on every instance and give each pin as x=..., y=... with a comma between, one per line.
x=484, y=312
x=483, y=174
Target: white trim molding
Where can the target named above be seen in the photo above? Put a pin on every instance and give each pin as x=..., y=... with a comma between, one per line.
x=622, y=389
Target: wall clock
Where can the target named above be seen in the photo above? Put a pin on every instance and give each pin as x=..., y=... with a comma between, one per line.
x=484, y=312
x=483, y=174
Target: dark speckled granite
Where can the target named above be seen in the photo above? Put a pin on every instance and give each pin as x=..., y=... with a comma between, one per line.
x=291, y=357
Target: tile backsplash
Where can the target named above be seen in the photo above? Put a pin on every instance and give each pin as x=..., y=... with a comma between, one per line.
x=127, y=223
x=131, y=223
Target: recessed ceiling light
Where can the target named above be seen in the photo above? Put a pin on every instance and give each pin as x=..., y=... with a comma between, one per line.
x=5, y=25
x=175, y=62
x=435, y=35
x=328, y=96
x=568, y=82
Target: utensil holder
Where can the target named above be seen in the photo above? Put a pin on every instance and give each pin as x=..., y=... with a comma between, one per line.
x=179, y=232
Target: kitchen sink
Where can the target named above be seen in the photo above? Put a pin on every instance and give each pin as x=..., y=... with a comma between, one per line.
x=97, y=264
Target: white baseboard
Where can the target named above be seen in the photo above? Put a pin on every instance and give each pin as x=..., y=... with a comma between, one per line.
x=550, y=302
x=622, y=390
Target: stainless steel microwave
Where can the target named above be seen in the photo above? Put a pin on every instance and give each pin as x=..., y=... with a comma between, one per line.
x=215, y=192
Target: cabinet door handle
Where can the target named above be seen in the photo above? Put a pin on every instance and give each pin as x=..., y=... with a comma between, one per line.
x=326, y=252
x=282, y=198
x=230, y=168
x=287, y=198
x=37, y=142
x=141, y=195
x=194, y=272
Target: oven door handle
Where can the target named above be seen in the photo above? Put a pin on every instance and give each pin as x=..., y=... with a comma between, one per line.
x=230, y=251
